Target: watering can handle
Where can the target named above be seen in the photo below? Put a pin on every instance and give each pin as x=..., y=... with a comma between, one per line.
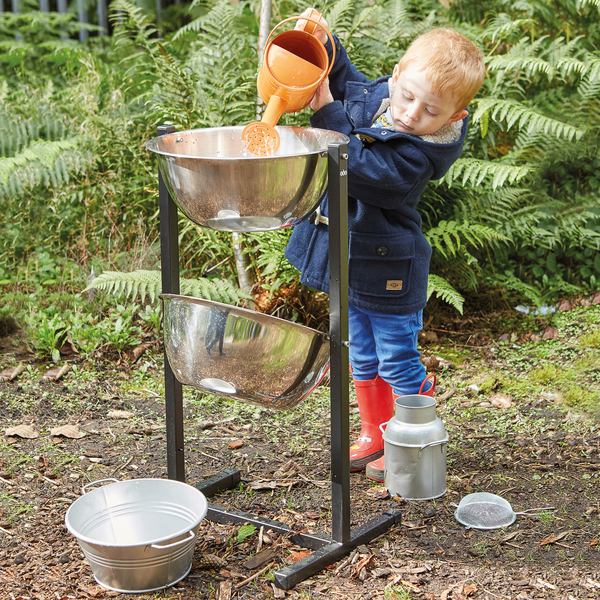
x=187, y=539
x=427, y=379
x=311, y=26
x=85, y=487
x=315, y=22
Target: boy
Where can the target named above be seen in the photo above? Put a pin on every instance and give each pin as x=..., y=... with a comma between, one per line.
x=404, y=130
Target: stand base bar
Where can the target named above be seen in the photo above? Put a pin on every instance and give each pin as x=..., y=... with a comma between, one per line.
x=227, y=480
x=327, y=555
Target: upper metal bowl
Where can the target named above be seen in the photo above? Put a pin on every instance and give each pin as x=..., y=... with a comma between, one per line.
x=218, y=183
x=242, y=354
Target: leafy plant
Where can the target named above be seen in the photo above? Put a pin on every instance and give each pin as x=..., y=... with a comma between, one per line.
x=245, y=531
x=48, y=334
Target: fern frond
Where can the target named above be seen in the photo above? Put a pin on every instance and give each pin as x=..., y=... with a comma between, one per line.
x=445, y=292
x=141, y=283
x=474, y=172
x=42, y=153
x=517, y=114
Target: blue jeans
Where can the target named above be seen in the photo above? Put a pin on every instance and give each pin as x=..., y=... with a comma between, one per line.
x=386, y=345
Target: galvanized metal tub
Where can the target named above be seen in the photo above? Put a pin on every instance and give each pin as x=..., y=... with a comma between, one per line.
x=415, y=446
x=138, y=535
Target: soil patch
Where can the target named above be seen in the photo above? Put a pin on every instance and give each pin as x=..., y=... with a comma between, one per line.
x=534, y=453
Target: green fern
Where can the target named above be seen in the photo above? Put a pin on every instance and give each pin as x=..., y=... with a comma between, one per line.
x=446, y=237
x=149, y=283
x=444, y=291
x=474, y=172
x=517, y=115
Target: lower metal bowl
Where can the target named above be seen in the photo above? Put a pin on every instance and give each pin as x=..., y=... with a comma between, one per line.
x=242, y=354
x=217, y=183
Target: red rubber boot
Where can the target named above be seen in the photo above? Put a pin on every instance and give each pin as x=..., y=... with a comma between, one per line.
x=376, y=406
x=376, y=468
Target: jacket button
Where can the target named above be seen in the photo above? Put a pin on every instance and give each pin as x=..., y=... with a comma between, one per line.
x=365, y=91
x=382, y=250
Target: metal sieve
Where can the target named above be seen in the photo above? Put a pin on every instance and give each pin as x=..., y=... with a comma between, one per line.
x=489, y=511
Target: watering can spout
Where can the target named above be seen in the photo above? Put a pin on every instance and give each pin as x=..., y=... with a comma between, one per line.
x=295, y=64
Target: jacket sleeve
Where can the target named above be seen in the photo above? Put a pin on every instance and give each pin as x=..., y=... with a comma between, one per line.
x=381, y=173
x=342, y=71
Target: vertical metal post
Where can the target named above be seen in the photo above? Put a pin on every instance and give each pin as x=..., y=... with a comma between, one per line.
x=102, y=18
x=83, y=18
x=62, y=9
x=338, y=328
x=169, y=255
x=44, y=6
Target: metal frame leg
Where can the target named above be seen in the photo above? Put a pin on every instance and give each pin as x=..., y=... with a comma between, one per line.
x=169, y=258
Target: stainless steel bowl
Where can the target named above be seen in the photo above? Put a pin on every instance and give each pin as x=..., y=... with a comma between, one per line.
x=217, y=183
x=242, y=354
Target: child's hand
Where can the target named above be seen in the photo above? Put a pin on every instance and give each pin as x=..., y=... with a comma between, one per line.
x=322, y=96
x=320, y=30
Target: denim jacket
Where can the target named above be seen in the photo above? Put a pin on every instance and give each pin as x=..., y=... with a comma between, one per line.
x=387, y=172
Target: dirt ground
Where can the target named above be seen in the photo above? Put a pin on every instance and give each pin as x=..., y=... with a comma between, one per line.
x=533, y=453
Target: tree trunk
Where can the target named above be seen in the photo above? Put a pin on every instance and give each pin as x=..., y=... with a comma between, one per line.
x=264, y=27
x=242, y=262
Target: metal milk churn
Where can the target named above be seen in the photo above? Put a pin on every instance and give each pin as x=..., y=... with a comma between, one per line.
x=415, y=445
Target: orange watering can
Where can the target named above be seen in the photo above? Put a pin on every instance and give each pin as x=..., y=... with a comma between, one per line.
x=295, y=63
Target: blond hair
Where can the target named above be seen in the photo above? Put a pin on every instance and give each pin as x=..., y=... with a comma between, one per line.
x=451, y=61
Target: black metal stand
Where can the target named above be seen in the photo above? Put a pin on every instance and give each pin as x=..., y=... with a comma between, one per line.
x=327, y=550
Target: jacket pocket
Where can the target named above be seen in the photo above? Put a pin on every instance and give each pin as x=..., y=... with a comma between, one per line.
x=380, y=265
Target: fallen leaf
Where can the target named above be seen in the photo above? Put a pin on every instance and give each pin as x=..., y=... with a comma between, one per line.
x=262, y=485
x=363, y=563
x=296, y=556
x=69, y=431
x=596, y=298
x=381, y=493
x=564, y=305
x=431, y=363
x=23, y=431
x=550, y=333
x=470, y=589
x=119, y=414
x=594, y=542
x=11, y=373
x=55, y=373
x=554, y=538
x=235, y=444
x=139, y=350
x=501, y=401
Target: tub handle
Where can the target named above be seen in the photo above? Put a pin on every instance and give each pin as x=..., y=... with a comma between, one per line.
x=192, y=535
x=438, y=443
x=85, y=487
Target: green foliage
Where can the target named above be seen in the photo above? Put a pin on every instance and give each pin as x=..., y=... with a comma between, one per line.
x=245, y=531
x=149, y=283
x=518, y=210
x=48, y=334
x=444, y=291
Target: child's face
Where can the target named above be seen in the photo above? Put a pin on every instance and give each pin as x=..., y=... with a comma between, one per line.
x=415, y=110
